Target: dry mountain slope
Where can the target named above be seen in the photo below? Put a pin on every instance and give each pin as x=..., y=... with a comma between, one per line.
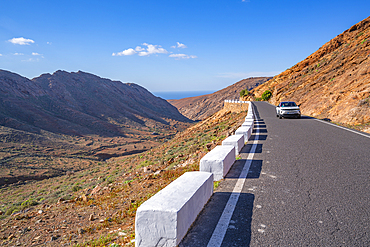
x=333, y=82
x=201, y=107
x=80, y=104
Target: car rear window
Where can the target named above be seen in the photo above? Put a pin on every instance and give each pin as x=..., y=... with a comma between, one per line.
x=288, y=104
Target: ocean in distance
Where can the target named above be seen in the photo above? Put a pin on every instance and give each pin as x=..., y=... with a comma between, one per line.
x=180, y=94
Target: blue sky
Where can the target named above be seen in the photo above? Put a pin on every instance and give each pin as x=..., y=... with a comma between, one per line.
x=191, y=45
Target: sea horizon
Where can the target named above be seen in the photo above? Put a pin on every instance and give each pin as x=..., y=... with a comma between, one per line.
x=180, y=94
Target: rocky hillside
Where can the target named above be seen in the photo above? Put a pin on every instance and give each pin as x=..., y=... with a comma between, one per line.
x=332, y=83
x=200, y=107
x=81, y=104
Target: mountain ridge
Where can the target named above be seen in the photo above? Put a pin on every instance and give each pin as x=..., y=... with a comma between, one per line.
x=79, y=103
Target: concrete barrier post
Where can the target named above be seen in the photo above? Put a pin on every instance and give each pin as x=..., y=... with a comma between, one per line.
x=165, y=218
x=246, y=131
x=218, y=161
x=237, y=141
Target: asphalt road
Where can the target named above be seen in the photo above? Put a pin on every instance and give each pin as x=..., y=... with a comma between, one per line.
x=307, y=184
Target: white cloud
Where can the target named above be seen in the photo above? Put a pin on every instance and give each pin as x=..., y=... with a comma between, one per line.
x=152, y=49
x=21, y=41
x=18, y=54
x=179, y=45
x=1, y=55
x=241, y=75
x=146, y=49
x=36, y=54
x=139, y=48
x=49, y=43
x=142, y=51
x=182, y=56
x=127, y=52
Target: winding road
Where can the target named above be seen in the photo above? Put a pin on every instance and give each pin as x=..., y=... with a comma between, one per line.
x=300, y=182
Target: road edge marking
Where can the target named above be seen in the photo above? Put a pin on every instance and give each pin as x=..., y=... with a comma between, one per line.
x=341, y=127
x=223, y=223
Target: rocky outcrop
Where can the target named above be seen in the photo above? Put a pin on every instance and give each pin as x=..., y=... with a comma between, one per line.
x=201, y=107
x=332, y=83
x=80, y=104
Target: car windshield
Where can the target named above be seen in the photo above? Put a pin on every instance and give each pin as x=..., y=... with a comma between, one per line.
x=288, y=104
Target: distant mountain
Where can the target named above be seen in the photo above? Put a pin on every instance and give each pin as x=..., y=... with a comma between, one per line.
x=201, y=107
x=332, y=83
x=80, y=104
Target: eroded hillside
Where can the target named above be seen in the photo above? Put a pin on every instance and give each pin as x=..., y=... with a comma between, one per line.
x=82, y=104
x=332, y=83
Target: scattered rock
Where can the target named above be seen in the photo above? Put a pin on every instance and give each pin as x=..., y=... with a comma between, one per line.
x=95, y=190
x=26, y=229
x=81, y=231
x=83, y=198
x=60, y=200
x=53, y=238
x=40, y=212
x=91, y=218
x=11, y=236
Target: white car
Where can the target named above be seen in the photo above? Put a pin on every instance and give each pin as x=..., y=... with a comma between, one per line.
x=288, y=109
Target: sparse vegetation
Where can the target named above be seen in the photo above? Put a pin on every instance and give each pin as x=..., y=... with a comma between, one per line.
x=111, y=190
x=244, y=93
x=266, y=95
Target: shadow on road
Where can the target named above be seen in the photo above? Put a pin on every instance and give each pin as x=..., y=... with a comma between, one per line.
x=239, y=230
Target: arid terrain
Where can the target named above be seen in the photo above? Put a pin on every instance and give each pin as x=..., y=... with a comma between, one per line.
x=95, y=204
x=79, y=153
x=63, y=122
x=201, y=107
x=333, y=83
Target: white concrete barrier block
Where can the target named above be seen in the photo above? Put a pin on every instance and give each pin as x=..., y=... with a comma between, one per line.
x=248, y=122
x=165, y=218
x=235, y=140
x=218, y=161
x=246, y=131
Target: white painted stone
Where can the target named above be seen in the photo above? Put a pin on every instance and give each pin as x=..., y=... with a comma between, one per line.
x=248, y=122
x=235, y=140
x=165, y=218
x=246, y=131
x=218, y=161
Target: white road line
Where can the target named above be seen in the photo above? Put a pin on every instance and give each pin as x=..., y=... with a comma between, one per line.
x=322, y=121
x=223, y=223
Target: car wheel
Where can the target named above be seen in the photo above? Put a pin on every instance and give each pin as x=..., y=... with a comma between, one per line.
x=280, y=117
x=299, y=116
